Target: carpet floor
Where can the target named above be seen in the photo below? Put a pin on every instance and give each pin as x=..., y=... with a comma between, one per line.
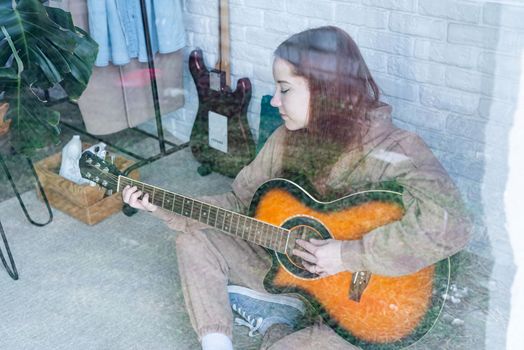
x=113, y=285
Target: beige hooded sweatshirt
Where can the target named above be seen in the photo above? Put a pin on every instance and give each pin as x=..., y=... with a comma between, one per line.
x=435, y=224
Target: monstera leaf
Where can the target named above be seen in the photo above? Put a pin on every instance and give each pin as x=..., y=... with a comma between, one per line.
x=40, y=48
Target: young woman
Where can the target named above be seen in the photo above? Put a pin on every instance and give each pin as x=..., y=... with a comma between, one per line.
x=337, y=138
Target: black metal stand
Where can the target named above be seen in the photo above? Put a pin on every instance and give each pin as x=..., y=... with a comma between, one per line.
x=20, y=200
x=11, y=270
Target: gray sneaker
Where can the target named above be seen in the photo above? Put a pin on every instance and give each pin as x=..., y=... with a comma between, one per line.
x=259, y=311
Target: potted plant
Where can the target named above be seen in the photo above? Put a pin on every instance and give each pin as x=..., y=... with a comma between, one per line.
x=40, y=48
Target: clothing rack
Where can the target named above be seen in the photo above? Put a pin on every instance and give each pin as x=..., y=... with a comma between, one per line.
x=156, y=104
x=141, y=160
x=158, y=119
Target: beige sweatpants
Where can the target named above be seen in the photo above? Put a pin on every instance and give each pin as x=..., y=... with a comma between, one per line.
x=208, y=261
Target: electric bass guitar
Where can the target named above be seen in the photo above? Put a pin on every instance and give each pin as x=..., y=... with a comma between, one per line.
x=221, y=139
x=368, y=310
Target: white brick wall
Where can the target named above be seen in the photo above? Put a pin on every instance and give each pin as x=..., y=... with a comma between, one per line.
x=423, y=26
x=460, y=11
x=361, y=15
x=450, y=68
x=443, y=57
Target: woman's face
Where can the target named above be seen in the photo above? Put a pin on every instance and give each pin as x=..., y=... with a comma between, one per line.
x=291, y=95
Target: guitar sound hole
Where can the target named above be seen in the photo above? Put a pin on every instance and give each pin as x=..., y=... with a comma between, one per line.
x=305, y=233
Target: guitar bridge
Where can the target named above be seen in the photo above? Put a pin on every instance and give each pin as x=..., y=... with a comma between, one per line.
x=359, y=282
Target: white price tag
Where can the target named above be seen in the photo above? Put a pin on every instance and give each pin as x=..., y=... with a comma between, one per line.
x=214, y=81
x=217, y=131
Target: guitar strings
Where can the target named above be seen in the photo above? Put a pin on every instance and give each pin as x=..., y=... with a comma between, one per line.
x=113, y=179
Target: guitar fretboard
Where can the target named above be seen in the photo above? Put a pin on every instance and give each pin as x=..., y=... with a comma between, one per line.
x=230, y=222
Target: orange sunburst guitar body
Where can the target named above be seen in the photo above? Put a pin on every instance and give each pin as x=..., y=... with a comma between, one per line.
x=393, y=312
x=368, y=310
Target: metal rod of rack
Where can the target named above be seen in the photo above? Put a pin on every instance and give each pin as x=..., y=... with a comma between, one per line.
x=152, y=76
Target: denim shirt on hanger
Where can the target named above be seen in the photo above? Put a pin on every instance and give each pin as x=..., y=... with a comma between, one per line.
x=116, y=25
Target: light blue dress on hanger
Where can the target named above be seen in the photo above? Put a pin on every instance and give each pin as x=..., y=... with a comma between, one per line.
x=116, y=25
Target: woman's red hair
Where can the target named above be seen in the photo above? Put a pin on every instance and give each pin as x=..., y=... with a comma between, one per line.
x=341, y=90
x=340, y=85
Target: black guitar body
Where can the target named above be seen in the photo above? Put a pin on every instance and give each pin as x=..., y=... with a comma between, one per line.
x=230, y=104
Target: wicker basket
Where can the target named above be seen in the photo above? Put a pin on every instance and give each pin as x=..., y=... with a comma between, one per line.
x=89, y=204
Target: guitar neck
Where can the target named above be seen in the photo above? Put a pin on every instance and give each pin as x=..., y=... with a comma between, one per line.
x=229, y=222
x=223, y=63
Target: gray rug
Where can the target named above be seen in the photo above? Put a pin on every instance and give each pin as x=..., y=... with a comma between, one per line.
x=114, y=285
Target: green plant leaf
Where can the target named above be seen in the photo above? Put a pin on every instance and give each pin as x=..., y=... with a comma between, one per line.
x=7, y=74
x=39, y=48
x=38, y=129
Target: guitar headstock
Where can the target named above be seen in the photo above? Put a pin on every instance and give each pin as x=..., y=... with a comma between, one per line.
x=99, y=171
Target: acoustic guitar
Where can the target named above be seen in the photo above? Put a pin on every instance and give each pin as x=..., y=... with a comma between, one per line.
x=368, y=310
x=221, y=139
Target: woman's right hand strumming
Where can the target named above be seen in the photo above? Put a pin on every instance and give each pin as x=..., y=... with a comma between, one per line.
x=131, y=196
